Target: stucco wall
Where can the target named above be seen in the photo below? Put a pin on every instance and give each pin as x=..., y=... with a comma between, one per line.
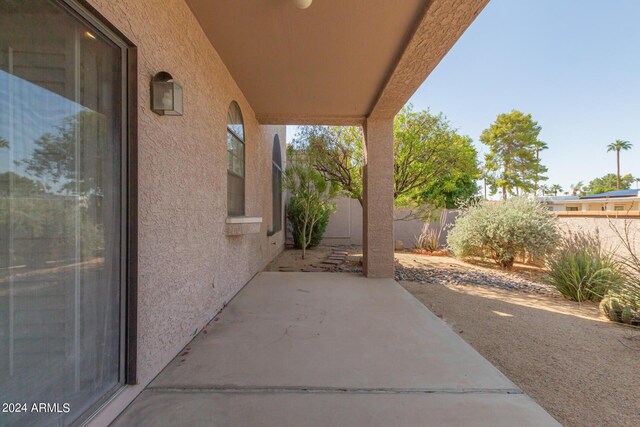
x=188, y=267
x=603, y=226
x=345, y=225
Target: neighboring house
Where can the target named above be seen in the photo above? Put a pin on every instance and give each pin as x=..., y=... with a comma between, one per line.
x=618, y=200
x=165, y=120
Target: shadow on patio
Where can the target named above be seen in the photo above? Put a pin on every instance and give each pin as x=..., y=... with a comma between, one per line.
x=330, y=349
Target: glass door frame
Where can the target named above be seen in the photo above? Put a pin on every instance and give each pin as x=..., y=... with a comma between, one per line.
x=85, y=13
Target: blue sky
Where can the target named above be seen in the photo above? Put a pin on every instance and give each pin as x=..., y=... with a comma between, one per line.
x=574, y=65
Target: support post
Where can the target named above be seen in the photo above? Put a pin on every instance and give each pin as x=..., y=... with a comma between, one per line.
x=377, y=218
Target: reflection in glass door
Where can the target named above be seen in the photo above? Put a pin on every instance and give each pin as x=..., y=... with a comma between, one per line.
x=61, y=204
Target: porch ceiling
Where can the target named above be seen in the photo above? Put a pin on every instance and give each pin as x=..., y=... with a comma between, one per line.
x=337, y=62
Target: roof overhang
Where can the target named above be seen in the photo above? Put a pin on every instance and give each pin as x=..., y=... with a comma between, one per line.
x=337, y=62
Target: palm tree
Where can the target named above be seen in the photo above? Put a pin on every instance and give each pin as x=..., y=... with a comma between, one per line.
x=617, y=146
x=544, y=189
x=555, y=189
x=576, y=188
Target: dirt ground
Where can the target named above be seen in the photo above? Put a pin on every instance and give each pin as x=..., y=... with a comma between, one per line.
x=582, y=368
x=291, y=259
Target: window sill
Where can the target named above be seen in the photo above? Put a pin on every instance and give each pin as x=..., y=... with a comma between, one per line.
x=241, y=225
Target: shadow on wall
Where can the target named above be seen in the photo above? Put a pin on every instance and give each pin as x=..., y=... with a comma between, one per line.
x=345, y=225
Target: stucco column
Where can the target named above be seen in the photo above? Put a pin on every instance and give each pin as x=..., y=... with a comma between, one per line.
x=377, y=215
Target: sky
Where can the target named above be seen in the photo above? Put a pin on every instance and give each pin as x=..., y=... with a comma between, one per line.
x=573, y=64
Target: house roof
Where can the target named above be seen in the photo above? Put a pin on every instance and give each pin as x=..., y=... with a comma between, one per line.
x=611, y=194
x=336, y=62
x=551, y=199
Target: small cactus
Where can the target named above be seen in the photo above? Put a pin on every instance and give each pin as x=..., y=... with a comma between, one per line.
x=611, y=308
x=614, y=310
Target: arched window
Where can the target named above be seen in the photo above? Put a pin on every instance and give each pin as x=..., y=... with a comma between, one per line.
x=235, y=161
x=276, y=185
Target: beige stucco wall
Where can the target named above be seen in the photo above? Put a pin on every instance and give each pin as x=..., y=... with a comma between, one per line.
x=345, y=225
x=188, y=267
x=605, y=227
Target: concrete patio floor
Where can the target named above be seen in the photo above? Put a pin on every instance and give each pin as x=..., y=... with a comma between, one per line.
x=316, y=349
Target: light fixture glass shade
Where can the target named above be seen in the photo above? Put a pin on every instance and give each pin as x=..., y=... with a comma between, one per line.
x=302, y=4
x=166, y=95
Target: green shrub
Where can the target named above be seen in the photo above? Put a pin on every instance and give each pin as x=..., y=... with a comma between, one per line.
x=294, y=214
x=502, y=231
x=581, y=269
x=622, y=301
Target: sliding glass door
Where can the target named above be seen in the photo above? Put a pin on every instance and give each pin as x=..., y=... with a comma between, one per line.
x=62, y=205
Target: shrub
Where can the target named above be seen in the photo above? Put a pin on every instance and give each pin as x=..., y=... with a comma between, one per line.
x=581, y=269
x=310, y=204
x=622, y=301
x=295, y=216
x=518, y=227
x=429, y=239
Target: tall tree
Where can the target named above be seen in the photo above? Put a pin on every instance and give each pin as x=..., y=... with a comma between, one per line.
x=608, y=183
x=512, y=140
x=544, y=189
x=541, y=169
x=433, y=164
x=555, y=189
x=617, y=147
x=576, y=188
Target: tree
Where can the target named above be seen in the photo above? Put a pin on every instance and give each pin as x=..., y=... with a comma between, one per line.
x=555, y=189
x=608, y=183
x=337, y=153
x=53, y=159
x=311, y=196
x=545, y=190
x=617, y=146
x=12, y=184
x=433, y=165
x=512, y=163
x=3, y=143
x=576, y=188
x=539, y=146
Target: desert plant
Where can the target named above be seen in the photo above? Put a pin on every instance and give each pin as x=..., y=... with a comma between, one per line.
x=581, y=269
x=429, y=238
x=622, y=302
x=295, y=212
x=517, y=227
x=310, y=204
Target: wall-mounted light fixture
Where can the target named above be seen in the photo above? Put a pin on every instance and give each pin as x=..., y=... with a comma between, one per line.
x=166, y=95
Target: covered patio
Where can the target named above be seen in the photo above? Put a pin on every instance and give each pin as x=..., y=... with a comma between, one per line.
x=336, y=349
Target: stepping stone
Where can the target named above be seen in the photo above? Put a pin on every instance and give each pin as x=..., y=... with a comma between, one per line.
x=312, y=269
x=345, y=253
x=331, y=262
